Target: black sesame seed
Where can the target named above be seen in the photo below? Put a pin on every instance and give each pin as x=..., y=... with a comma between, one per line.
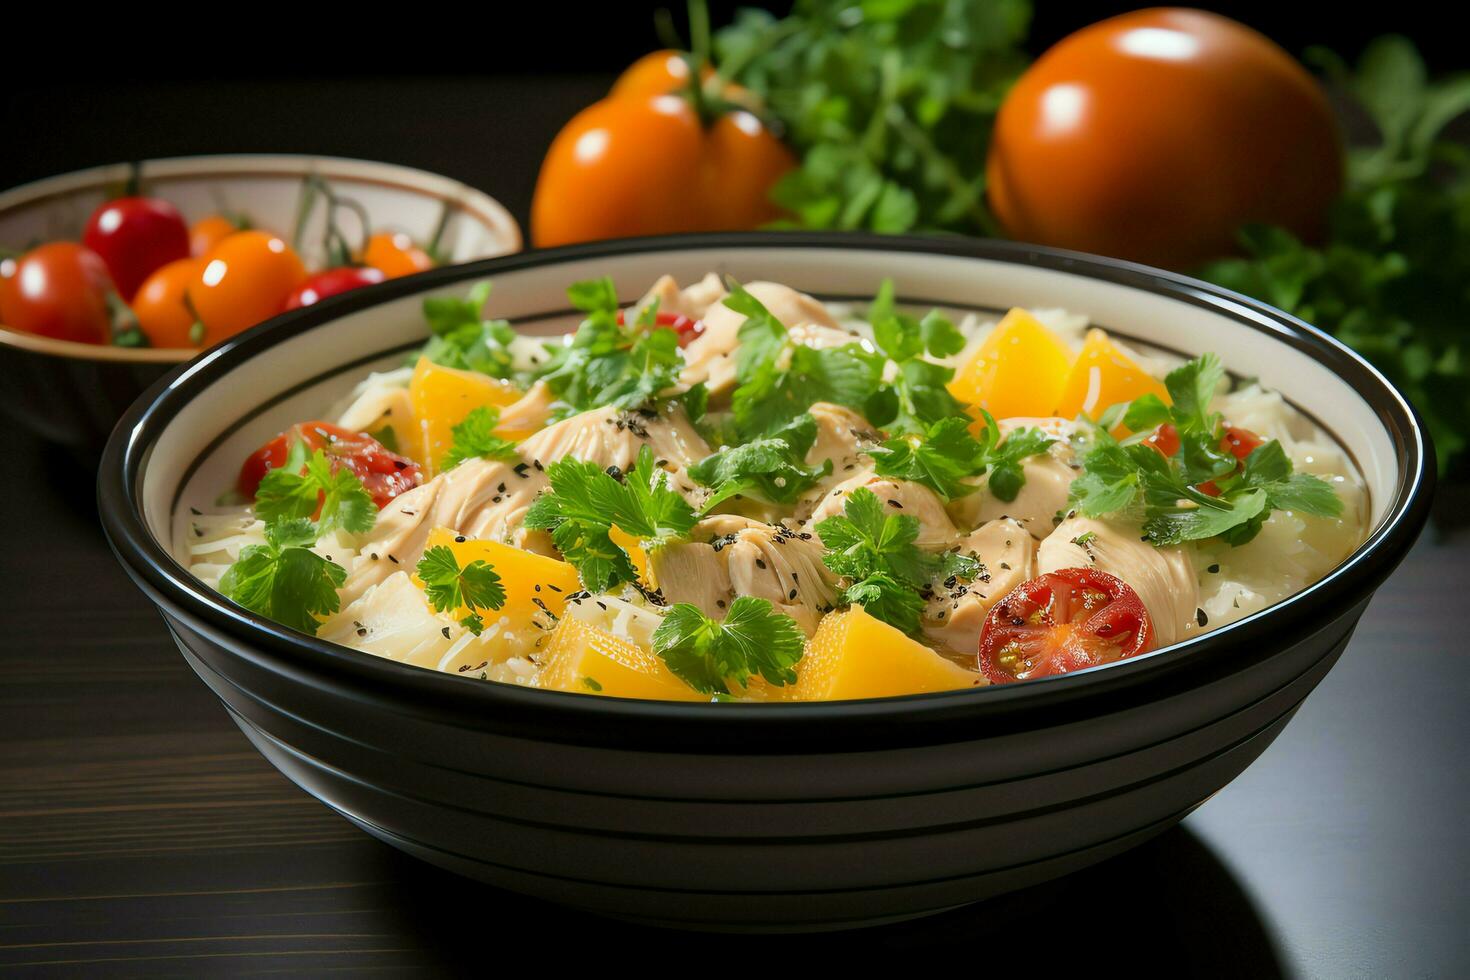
x=1201, y=618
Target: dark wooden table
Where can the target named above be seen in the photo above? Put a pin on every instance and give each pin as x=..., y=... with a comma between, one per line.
x=140, y=834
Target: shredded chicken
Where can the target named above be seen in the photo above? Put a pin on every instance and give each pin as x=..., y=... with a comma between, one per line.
x=731, y=556
x=957, y=611
x=1049, y=477
x=710, y=357
x=613, y=437
x=529, y=412
x=936, y=531
x=692, y=301
x=1164, y=578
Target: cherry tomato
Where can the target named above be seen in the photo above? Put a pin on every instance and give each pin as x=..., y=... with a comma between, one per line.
x=1063, y=621
x=162, y=308
x=330, y=283
x=383, y=473
x=58, y=290
x=648, y=165
x=208, y=232
x=1165, y=440
x=686, y=328
x=135, y=236
x=394, y=254
x=1156, y=135
x=242, y=281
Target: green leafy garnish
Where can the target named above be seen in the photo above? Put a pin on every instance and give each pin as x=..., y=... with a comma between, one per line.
x=476, y=586
x=918, y=396
x=464, y=339
x=753, y=639
x=285, y=494
x=876, y=552
x=283, y=579
x=947, y=455
x=475, y=438
x=586, y=502
x=772, y=468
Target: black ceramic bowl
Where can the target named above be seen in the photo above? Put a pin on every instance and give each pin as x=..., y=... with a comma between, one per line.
x=790, y=816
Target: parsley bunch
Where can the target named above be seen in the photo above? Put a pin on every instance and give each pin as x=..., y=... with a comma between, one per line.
x=772, y=468
x=1132, y=475
x=586, y=502
x=753, y=639
x=476, y=586
x=876, y=552
x=947, y=454
x=283, y=579
x=918, y=397
x=286, y=493
x=464, y=339
x=475, y=438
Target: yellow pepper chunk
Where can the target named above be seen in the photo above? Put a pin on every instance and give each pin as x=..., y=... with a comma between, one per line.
x=636, y=554
x=1018, y=371
x=854, y=655
x=1102, y=377
x=442, y=397
x=584, y=659
x=536, y=588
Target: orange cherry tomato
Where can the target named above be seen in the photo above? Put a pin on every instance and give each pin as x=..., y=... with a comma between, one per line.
x=208, y=232
x=242, y=281
x=649, y=165
x=57, y=290
x=1156, y=135
x=394, y=254
x=162, y=308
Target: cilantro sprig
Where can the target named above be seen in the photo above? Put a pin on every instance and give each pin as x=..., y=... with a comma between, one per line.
x=286, y=493
x=463, y=338
x=917, y=398
x=586, y=502
x=887, y=571
x=283, y=579
x=475, y=587
x=708, y=654
x=475, y=438
x=772, y=469
x=947, y=455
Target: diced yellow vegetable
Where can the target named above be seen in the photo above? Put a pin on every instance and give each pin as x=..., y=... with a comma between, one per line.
x=854, y=655
x=1018, y=371
x=1102, y=377
x=441, y=399
x=584, y=659
x=536, y=588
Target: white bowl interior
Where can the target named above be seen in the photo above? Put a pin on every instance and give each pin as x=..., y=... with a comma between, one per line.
x=307, y=372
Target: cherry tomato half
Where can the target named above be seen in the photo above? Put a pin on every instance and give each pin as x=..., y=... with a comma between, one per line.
x=162, y=308
x=136, y=236
x=1156, y=135
x=686, y=328
x=330, y=283
x=394, y=254
x=242, y=281
x=383, y=473
x=1063, y=621
x=58, y=290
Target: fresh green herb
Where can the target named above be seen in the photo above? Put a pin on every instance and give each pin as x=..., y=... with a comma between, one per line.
x=475, y=438
x=753, y=639
x=283, y=579
x=947, y=455
x=586, y=502
x=780, y=380
x=772, y=469
x=286, y=493
x=876, y=552
x=1390, y=279
x=592, y=684
x=464, y=339
x=918, y=396
x=476, y=586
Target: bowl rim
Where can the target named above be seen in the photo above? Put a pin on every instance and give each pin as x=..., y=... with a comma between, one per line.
x=779, y=728
x=471, y=200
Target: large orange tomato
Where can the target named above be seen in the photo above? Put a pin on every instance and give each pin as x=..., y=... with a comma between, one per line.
x=1155, y=135
x=243, y=280
x=644, y=162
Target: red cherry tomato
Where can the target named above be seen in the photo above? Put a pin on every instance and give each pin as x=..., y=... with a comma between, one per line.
x=1166, y=440
x=1239, y=442
x=1063, y=621
x=383, y=473
x=686, y=328
x=330, y=283
x=58, y=290
x=136, y=236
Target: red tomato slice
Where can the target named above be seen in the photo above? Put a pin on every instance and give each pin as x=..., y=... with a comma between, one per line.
x=686, y=328
x=383, y=473
x=1063, y=621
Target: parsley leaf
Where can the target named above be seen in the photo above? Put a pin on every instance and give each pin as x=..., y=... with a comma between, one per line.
x=474, y=587
x=285, y=494
x=464, y=339
x=752, y=640
x=772, y=469
x=475, y=438
x=947, y=454
x=918, y=396
x=283, y=579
